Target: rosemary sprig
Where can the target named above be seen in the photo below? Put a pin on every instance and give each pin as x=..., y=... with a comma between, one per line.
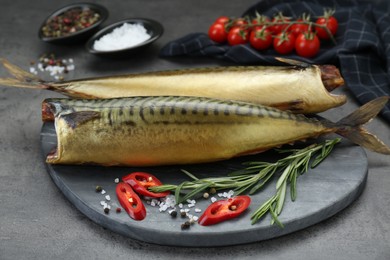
x=256, y=175
x=295, y=164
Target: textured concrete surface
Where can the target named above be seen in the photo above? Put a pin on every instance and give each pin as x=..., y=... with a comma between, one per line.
x=36, y=220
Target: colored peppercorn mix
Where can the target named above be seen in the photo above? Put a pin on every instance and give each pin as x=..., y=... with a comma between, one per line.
x=69, y=22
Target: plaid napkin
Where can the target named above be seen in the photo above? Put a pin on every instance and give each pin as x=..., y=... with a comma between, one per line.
x=362, y=51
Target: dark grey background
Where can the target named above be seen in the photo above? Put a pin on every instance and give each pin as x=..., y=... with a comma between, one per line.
x=37, y=222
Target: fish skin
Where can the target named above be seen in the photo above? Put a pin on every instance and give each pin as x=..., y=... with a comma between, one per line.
x=297, y=88
x=146, y=131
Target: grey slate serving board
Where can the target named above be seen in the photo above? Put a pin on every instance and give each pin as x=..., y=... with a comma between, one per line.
x=321, y=193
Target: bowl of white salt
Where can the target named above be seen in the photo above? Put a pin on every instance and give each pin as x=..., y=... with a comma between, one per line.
x=124, y=37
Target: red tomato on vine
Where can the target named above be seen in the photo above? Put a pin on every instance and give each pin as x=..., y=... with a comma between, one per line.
x=218, y=33
x=222, y=20
x=278, y=28
x=328, y=21
x=284, y=43
x=260, y=38
x=299, y=27
x=307, y=45
x=237, y=35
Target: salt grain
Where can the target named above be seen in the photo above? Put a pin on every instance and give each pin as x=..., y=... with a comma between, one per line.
x=125, y=36
x=213, y=199
x=108, y=197
x=191, y=201
x=33, y=70
x=163, y=208
x=170, y=201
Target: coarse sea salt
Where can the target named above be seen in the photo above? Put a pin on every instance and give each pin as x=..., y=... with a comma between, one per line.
x=125, y=36
x=54, y=67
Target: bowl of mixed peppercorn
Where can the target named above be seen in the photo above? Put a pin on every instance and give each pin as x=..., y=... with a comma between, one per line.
x=72, y=23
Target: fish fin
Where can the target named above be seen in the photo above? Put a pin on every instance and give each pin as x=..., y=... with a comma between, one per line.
x=292, y=62
x=365, y=113
x=351, y=126
x=365, y=139
x=23, y=79
x=75, y=119
x=295, y=106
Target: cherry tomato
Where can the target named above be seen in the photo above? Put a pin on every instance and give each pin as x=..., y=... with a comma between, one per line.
x=141, y=181
x=222, y=20
x=278, y=28
x=240, y=22
x=237, y=35
x=297, y=28
x=259, y=21
x=330, y=23
x=307, y=45
x=284, y=43
x=130, y=201
x=260, y=38
x=218, y=33
x=224, y=209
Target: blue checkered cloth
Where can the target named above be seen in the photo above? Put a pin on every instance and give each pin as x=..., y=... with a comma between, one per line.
x=362, y=51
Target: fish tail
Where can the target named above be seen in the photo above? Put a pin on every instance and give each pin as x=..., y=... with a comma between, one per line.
x=22, y=78
x=351, y=128
x=297, y=63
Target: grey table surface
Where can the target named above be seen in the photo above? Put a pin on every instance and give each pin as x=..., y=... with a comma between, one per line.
x=37, y=221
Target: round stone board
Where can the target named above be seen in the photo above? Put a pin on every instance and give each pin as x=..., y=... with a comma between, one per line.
x=321, y=193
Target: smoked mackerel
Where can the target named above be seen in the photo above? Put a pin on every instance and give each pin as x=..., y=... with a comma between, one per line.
x=298, y=87
x=145, y=131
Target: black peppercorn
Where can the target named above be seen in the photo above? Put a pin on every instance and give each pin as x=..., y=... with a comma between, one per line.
x=98, y=188
x=173, y=214
x=185, y=225
x=106, y=210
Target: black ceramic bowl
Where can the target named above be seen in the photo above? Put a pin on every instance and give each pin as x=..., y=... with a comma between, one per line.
x=153, y=28
x=80, y=35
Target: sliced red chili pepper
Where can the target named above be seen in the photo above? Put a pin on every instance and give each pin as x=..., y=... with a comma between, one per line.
x=224, y=209
x=130, y=201
x=141, y=181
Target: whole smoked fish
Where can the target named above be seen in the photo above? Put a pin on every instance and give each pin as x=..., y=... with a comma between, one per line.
x=144, y=131
x=299, y=87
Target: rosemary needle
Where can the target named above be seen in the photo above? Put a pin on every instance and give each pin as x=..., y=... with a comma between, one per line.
x=252, y=178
